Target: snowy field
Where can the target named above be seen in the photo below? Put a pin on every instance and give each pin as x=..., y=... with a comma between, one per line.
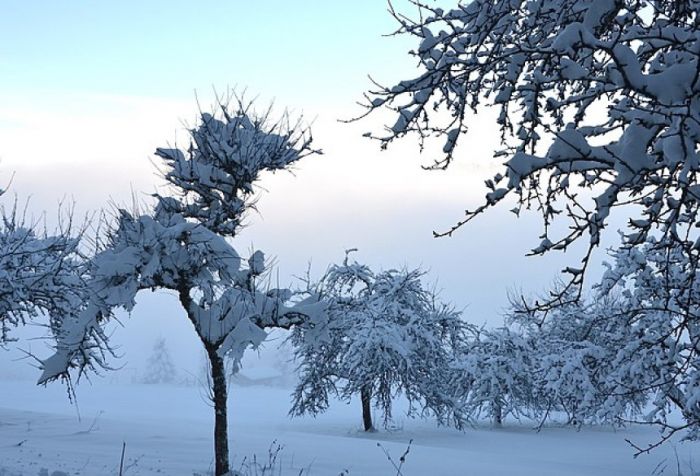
x=167, y=430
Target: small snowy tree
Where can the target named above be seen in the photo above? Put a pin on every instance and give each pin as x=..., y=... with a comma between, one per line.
x=182, y=246
x=159, y=367
x=495, y=375
x=386, y=334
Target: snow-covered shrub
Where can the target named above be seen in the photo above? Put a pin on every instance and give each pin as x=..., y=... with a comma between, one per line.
x=580, y=343
x=386, y=334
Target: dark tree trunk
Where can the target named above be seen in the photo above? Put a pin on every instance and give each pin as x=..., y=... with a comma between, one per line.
x=218, y=378
x=366, y=397
x=218, y=385
x=497, y=413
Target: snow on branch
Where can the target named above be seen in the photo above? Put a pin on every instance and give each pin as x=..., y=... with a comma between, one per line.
x=41, y=273
x=596, y=98
x=226, y=154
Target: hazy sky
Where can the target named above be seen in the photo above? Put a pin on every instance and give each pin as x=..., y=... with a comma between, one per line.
x=90, y=89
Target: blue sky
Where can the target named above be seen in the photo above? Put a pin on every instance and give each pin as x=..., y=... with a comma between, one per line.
x=305, y=51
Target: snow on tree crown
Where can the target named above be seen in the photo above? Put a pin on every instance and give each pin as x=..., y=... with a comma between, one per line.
x=215, y=175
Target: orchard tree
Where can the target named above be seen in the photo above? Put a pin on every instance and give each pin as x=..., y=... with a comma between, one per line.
x=495, y=375
x=183, y=246
x=568, y=361
x=661, y=325
x=576, y=361
x=598, y=107
x=386, y=334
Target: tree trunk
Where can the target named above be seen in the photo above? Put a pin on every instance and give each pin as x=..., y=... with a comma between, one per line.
x=366, y=397
x=218, y=385
x=218, y=377
x=497, y=413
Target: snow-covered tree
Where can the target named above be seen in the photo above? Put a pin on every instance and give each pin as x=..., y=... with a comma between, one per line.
x=182, y=246
x=41, y=274
x=386, y=334
x=575, y=364
x=159, y=367
x=495, y=373
x=660, y=321
x=598, y=108
x=541, y=366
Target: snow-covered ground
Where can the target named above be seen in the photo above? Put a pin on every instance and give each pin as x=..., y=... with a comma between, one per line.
x=167, y=431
